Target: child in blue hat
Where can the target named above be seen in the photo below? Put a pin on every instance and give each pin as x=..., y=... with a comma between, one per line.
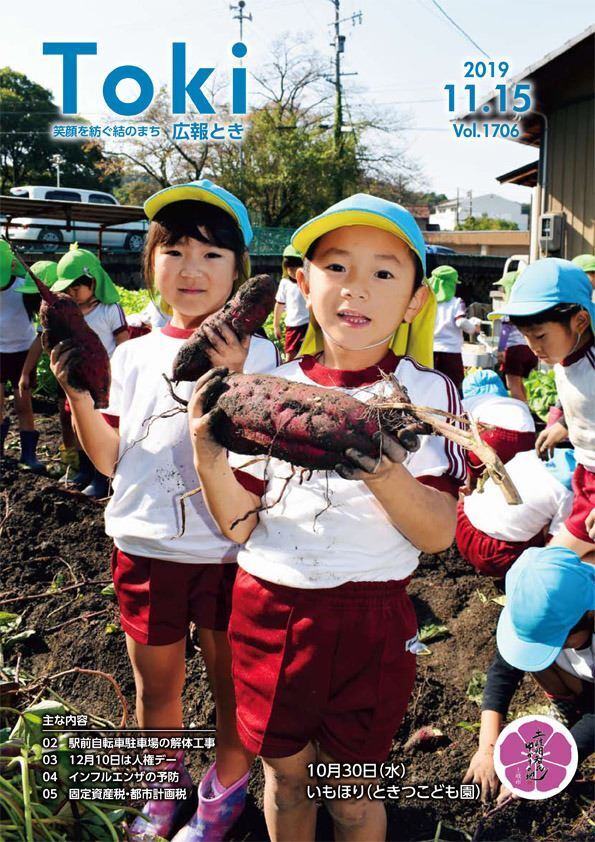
x=551, y=305
x=504, y=422
x=545, y=628
x=323, y=633
x=491, y=535
x=195, y=258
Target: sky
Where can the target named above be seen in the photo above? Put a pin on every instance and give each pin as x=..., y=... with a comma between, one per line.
x=403, y=53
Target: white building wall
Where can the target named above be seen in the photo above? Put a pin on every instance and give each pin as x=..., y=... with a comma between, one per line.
x=496, y=207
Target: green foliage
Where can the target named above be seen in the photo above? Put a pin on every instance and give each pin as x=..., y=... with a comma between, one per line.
x=432, y=631
x=486, y=223
x=541, y=392
x=476, y=686
x=133, y=300
x=47, y=385
x=27, y=147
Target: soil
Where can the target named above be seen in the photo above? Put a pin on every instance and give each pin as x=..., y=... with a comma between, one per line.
x=52, y=535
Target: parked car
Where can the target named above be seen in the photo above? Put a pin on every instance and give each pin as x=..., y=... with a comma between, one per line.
x=51, y=233
x=430, y=249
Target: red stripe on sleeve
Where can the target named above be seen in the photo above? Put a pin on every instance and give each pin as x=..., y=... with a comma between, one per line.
x=446, y=483
x=253, y=484
x=112, y=420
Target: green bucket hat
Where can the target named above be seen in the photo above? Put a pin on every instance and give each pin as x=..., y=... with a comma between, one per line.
x=78, y=263
x=290, y=251
x=46, y=271
x=586, y=262
x=443, y=281
x=10, y=265
x=507, y=281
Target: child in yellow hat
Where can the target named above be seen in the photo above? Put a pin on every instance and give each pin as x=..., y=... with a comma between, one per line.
x=322, y=631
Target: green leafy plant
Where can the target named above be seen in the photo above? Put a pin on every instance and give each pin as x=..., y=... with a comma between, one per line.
x=432, y=631
x=133, y=300
x=541, y=392
x=476, y=686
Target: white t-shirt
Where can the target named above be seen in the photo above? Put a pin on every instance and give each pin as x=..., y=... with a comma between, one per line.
x=498, y=411
x=579, y=662
x=156, y=460
x=296, y=309
x=16, y=329
x=323, y=531
x=107, y=320
x=575, y=381
x=545, y=501
x=448, y=337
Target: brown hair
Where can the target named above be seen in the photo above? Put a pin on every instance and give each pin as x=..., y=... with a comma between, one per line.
x=184, y=219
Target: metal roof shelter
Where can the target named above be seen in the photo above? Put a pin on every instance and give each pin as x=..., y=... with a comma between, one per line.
x=102, y=215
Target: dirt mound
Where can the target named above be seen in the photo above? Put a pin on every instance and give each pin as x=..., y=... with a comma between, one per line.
x=53, y=539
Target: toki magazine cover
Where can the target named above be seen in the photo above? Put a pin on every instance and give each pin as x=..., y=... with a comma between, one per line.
x=297, y=382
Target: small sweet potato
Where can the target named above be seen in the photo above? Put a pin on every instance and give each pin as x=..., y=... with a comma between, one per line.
x=244, y=314
x=62, y=319
x=309, y=426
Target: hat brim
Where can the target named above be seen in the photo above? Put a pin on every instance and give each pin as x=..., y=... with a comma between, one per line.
x=62, y=283
x=28, y=288
x=321, y=225
x=524, y=655
x=183, y=193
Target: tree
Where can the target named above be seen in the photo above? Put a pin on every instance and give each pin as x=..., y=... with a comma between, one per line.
x=27, y=146
x=486, y=223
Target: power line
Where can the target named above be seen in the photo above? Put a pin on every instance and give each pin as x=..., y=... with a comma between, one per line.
x=460, y=29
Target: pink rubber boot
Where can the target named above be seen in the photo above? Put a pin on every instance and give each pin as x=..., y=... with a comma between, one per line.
x=161, y=815
x=218, y=809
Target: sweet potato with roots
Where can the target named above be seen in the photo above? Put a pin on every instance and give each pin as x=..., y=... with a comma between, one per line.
x=61, y=319
x=309, y=426
x=244, y=314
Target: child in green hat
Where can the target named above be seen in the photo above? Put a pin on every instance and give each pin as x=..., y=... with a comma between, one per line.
x=17, y=335
x=83, y=278
x=451, y=321
x=290, y=299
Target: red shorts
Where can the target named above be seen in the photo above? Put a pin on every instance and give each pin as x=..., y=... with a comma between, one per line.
x=583, y=486
x=506, y=443
x=329, y=665
x=158, y=598
x=519, y=360
x=11, y=368
x=451, y=365
x=490, y=556
x=294, y=336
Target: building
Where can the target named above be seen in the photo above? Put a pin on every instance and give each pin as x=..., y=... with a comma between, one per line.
x=561, y=128
x=448, y=214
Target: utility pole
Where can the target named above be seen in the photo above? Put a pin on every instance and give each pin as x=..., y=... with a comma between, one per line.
x=339, y=45
x=241, y=16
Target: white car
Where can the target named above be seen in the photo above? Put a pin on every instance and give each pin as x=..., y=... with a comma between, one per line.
x=52, y=233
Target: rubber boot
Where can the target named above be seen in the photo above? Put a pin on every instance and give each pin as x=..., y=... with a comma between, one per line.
x=4, y=427
x=98, y=487
x=28, y=460
x=86, y=471
x=161, y=815
x=218, y=809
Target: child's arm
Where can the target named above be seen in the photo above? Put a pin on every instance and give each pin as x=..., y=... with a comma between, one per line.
x=226, y=499
x=30, y=363
x=99, y=440
x=121, y=336
x=405, y=500
x=277, y=313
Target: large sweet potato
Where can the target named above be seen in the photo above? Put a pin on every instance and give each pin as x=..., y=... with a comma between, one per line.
x=61, y=319
x=244, y=314
x=309, y=426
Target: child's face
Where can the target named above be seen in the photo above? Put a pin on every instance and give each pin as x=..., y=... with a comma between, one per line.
x=360, y=286
x=194, y=278
x=81, y=291
x=552, y=342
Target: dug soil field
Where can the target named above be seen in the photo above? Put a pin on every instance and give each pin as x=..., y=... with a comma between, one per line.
x=53, y=538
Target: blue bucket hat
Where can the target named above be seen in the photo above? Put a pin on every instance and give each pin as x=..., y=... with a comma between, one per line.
x=547, y=283
x=202, y=190
x=483, y=382
x=548, y=590
x=363, y=209
x=562, y=465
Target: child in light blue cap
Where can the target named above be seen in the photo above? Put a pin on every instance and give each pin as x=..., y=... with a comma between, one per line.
x=545, y=628
x=551, y=305
x=505, y=423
